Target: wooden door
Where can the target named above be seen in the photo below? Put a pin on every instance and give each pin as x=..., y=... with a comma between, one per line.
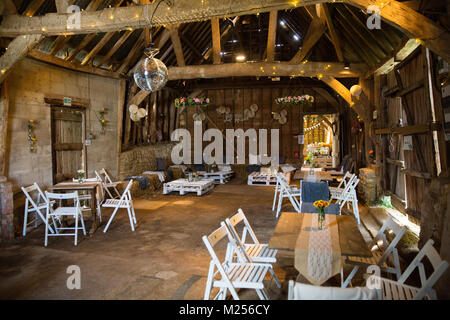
x=67, y=142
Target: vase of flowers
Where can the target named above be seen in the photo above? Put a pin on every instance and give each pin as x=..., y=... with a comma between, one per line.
x=80, y=176
x=321, y=205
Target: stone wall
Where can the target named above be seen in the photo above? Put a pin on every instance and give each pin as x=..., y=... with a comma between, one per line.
x=140, y=159
x=28, y=84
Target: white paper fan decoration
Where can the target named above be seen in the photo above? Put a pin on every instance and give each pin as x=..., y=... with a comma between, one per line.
x=284, y=112
x=251, y=114
x=282, y=120
x=254, y=107
x=276, y=116
x=137, y=113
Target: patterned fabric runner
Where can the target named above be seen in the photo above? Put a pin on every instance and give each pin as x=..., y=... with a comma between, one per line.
x=317, y=252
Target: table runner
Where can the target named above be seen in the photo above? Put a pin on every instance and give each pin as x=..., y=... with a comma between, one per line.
x=318, y=252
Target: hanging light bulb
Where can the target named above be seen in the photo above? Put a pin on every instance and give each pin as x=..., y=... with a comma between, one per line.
x=150, y=74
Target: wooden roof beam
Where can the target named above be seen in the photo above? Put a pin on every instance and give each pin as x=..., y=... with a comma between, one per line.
x=9, y=7
x=177, y=47
x=272, y=36
x=116, y=47
x=333, y=33
x=91, y=55
x=215, y=30
x=38, y=55
x=315, y=31
x=33, y=7
x=261, y=69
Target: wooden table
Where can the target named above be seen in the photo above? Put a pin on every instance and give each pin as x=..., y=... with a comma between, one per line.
x=87, y=186
x=320, y=175
x=350, y=238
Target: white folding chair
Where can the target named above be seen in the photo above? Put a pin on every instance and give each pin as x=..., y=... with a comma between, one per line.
x=398, y=290
x=232, y=275
x=349, y=196
x=107, y=183
x=301, y=291
x=38, y=207
x=287, y=191
x=294, y=189
x=74, y=211
x=252, y=252
x=125, y=202
x=335, y=192
x=380, y=255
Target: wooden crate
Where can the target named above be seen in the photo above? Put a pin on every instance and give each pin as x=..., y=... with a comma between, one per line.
x=219, y=177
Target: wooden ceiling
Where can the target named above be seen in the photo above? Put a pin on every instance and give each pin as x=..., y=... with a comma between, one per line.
x=328, y=32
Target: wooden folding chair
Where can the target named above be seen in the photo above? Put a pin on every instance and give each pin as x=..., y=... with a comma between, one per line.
x=125, y=202
x=73, y=211
x=38, y=207
x=398, y=290
x=107, y=183
x=380, y=255
x=232, y=275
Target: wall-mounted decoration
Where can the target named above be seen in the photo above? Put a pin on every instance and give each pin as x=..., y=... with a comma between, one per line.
x=248, y=114
x=407, y=143
x=101, y=119
x=293, y=100
x=136, y=113
x=199, y=116
x=281, y=116
x=191, y=101
x=31, y=139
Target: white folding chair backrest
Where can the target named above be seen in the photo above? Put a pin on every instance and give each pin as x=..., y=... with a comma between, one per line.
x=348, y=177
x=126, y=195
x=210, y=241
x=40, y=195
x=301, y=291
x=64, y=196
x=285, y=189
x=349, y=191
x=103, y=176
x=235, y=220
x=439, y=267
x=388, y=225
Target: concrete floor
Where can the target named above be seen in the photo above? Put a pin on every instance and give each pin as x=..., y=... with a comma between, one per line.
x=164, y=258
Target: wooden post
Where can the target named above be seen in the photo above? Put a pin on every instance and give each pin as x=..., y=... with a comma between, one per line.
x=215, y=30
x=272, y=35
x=4, y=111
x=120, y=110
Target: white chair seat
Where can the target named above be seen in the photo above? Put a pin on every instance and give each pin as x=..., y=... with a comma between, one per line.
x=64, y=211
x=261, y=252
x=243, y=275
x=116, y=203
x=84, y=197
x=368, y=261
x=392, y=290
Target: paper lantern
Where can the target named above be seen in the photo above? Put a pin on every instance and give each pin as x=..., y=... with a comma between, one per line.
x=356, y=90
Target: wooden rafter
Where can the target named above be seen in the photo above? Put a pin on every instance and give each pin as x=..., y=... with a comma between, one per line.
x=116, y=47
x=330, y=99
x=333, y=33
x=139, y=45
x=414, y=24
x=315, y=31
x=177, y=47
x=339, y=88
x=215, y=30
x=272, y=36
x=33, y=7
x=38, y=55
x=91, y=55
x=9, y=7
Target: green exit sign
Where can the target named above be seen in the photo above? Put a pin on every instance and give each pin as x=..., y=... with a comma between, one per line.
x=67, y=101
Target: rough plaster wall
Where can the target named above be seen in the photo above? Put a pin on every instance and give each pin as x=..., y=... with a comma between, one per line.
x=28, y=84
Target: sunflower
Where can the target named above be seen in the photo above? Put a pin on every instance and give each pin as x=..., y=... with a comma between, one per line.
x=321, y=204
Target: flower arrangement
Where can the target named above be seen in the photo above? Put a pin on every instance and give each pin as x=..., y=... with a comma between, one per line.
x=80, y=175
x=295, y=100
x=189, y=101
x=310, y=158
x=321, y=205
x=31, y=138
x=102, y=120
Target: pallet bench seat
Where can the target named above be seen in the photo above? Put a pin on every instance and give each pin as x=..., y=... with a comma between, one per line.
x=183, y=186
x=219, y=177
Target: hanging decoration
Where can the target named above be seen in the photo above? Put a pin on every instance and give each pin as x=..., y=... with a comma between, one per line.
x=191, y=101
x=31, y=138
x=249, y=113
x=313, y=126
x=136, y=113
x=281, y=116
x=150, y=74
x=101, y=119
x=293, y=100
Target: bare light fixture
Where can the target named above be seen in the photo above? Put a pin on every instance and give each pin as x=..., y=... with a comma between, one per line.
x=240, y=57
x=296, y=38
x=347, y=66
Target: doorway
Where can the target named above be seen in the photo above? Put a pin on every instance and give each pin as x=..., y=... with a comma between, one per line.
x=67, y=132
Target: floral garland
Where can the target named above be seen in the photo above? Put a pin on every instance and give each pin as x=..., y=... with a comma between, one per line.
x=31, y=138
x=295, y=100
x=188, y=101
